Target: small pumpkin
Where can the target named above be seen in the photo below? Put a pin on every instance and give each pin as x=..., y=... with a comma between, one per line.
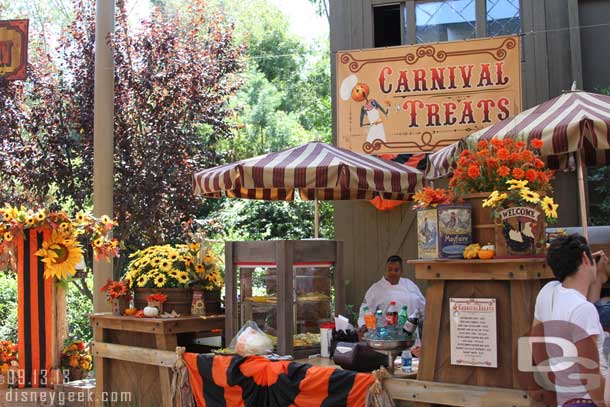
x=487, y=252
x=151, y=312
x=130, y=312
x=471, y=251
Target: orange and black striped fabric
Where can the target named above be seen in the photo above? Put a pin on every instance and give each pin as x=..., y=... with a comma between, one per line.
x=35, y=310
x=235, y=381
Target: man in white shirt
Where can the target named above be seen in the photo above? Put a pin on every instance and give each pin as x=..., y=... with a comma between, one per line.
x=565, y=300
x=392, y=287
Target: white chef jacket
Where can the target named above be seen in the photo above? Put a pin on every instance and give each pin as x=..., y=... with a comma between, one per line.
x=381, y=293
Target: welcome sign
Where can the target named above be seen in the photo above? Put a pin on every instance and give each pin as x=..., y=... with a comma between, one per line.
x=13, y=49
x=421, y=98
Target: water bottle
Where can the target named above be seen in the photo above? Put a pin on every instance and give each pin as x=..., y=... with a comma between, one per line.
x=402, y=317
x=380, y=328
x=407, y=361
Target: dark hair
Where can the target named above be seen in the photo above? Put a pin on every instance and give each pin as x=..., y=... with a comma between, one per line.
x=394, y=259
x=565, y=255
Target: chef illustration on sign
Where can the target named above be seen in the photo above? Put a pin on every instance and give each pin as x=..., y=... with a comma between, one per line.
x=359, y=92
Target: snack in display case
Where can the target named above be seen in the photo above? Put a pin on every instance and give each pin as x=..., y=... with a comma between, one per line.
x=287, y=305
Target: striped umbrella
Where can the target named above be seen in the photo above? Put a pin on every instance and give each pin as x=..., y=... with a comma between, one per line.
x=575, y=129
x=573, y=122
x=317, y=170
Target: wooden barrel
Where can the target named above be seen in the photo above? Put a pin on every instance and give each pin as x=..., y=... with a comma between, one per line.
x=483, y=225
x=178, y=299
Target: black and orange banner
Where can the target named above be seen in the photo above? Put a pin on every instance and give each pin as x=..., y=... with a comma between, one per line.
x=13, y=49
x=35, y=311
x=235, y=381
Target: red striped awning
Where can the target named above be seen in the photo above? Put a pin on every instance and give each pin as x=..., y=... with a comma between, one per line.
x=316, y=170
x=575, y=121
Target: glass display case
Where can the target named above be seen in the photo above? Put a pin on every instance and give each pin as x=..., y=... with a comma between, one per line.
x=287, y=287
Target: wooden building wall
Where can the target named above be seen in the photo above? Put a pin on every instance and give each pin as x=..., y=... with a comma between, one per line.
x=551, y=61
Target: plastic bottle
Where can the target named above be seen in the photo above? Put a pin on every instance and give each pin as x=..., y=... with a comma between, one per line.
x=391, y=314
x=380, y=328
x=369, y=318
x=407, y=361
x=402, y=317
x=412, y=323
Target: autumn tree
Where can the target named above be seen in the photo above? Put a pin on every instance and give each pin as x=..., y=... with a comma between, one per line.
x=173, y=76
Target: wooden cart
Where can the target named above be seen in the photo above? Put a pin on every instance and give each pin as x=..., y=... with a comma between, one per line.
x=514, y=283
x=126, y=357
x=282, y=257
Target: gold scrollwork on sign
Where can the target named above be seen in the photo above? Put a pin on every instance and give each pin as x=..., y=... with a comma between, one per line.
x=430, y=51
x=425, y=145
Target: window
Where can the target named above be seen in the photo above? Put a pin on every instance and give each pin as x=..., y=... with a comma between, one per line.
x=503, y=17
x=388, y=29
x=447, y=20
x=425, y=21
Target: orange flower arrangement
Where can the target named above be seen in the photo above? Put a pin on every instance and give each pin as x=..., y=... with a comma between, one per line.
x=115, y=289
x=8, y=354
x=157, y=297
x=495, y=162
x=432, y=197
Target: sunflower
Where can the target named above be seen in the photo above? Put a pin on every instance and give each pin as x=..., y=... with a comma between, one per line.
x=30, y=221
x=194, y=247
x=60, y=254
x=99, y=242
x=529, y=195
x=8, y=236
x=80, y=217
x=550, y=207
x=183, y=278
x=173, y=256
x=40, y=216
x=165, y=265
x=160, y=280
x=199, y=268
x=155, y=262
x=142, y=281
x=64, y=226
x=105, y=219
x=516, y=184
x=174, y=273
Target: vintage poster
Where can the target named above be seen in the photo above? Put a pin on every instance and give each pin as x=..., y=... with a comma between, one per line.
x=420, y=98
x=474, y=336
x=13, y=49
x=454, y=229
x=427, y=234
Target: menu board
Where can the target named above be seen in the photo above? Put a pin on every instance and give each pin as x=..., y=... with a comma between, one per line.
x=474, y=339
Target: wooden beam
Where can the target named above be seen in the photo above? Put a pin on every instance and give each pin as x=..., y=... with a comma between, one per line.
x=575, y=51
x=103, y=138
x=231, y=293
x=482, y=270
x=456, y=394
x=481, y=18
x=411, y=23
x=154, y=357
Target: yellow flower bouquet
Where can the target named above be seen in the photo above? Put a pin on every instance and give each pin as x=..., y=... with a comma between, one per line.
x=172, y=266
x=76, y=355
x=62, y=251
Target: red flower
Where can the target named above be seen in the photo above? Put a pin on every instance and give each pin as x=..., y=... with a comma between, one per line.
x=463, y=161
x=483, y=153
x=496, y=142
x=518, y=173
x=507, y=142
x=542, y=177
x=515, y=156
x=474, y=171
x=482, y=145
x=504, y=171
x=520, y=145
x=157, y=297
x=530, y=175
x=80, y=345
x=537, y=143
x=527, y=156
x=106, y=286
x=492, y=162
x=503, y=154
x=538, y=163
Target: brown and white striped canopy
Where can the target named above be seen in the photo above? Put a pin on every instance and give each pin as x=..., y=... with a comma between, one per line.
x=575, y=121
x=317, y=170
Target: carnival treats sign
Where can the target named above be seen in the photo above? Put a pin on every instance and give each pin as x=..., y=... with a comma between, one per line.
x=474, y=338
x=13, y=49
x=413, y=99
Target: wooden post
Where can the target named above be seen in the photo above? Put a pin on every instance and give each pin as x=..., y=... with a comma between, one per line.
x=582, y=198
x=231, y=294
x=103, y=136
x=285, y=296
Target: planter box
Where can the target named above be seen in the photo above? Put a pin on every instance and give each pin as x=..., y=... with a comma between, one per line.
x=178, y=299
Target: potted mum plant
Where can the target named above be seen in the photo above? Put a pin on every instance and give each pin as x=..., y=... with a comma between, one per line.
x=76, y=358
x=487, y=167
x=8, y=356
